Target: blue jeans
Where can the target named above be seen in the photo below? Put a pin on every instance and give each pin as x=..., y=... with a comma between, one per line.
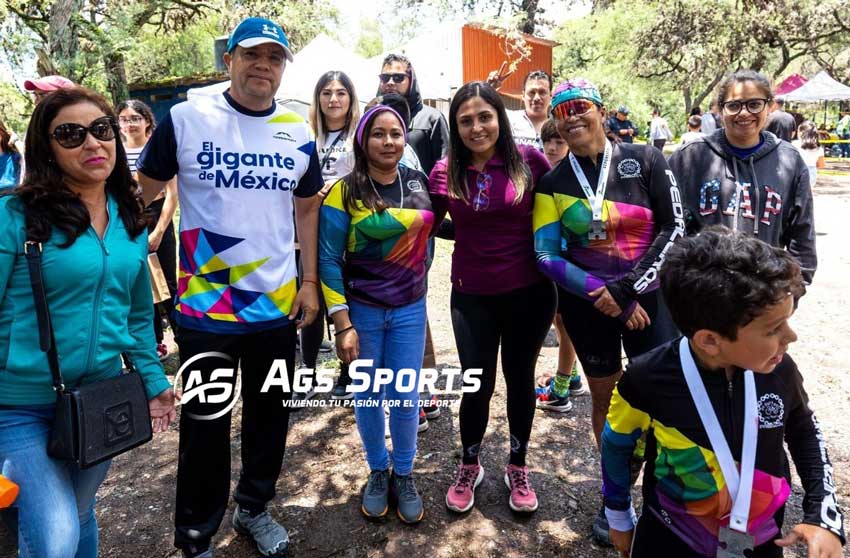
x=392, y=338
x=56, y=501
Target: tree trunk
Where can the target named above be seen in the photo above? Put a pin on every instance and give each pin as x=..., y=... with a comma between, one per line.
x=116, y=76
x=528, y=9
x=63, y=39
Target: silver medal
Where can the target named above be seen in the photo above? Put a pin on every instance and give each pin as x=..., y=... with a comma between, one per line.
x=597, y=231
x=736, y=543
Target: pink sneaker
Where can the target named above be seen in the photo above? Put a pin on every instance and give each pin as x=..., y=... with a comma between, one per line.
x=523, y=498
x=461, y=495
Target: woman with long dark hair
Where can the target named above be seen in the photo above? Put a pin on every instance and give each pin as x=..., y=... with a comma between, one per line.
x=498, y=297
x=745, y=178
x=10, y=160
x=77, y=201
x=373, y=237
x=137, y=123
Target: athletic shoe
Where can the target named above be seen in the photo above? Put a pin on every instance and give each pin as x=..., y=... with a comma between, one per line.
x=577, y=387
x=193, y=551
x=270, y=536
x=326, y=346
x=461, y=495
x=423, y=421
x=376, y=495
x=304, y=396
x=523, y=498
x=410, y=509
x=548, y=400
x=162, y=351
x=339, y=391
x=431, y=408
x=600, y=529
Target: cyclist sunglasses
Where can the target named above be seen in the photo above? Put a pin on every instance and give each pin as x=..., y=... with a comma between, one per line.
x=397, y=78
x=575, y=107
x=72, y=135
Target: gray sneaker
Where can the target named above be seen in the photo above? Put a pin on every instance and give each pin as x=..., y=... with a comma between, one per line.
x=196, y=552
x=376, y=495
x=409, y=502
x=271, y=537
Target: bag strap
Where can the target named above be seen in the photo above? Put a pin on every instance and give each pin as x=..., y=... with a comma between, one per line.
x=46, y=339
x=47, y=342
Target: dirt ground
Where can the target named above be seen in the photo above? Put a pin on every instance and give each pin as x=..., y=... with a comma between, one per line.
x=318, y=491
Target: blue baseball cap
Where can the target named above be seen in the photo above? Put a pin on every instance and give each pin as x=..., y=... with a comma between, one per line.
x=257, y=31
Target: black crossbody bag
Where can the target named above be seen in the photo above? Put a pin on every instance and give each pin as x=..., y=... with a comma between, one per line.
x=96, y=421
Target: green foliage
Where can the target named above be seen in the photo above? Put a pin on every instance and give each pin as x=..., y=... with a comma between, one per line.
x=370, y=43
x=153, y=55
x=15, y=108
x=672, y=54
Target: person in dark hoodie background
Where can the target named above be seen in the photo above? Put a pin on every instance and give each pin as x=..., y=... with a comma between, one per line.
x=745, y=178
x=429, y=135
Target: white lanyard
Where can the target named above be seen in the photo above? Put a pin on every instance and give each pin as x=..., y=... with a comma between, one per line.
x=740, y=487
x=595, y=199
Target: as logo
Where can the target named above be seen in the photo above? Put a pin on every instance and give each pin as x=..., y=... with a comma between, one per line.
x=414, y=185
x=269, y=30
x=210, y=384
x=283, y=136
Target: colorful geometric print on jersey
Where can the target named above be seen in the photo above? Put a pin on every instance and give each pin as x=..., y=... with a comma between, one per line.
x=683, y=485
x=376, y=258
x=237, y=173
x=766, y=194
x=641, y=216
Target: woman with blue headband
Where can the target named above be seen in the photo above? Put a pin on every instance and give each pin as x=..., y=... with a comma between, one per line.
x=373, y=237
x=618, y=210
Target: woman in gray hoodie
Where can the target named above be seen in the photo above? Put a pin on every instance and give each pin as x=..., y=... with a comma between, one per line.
x=746, y=178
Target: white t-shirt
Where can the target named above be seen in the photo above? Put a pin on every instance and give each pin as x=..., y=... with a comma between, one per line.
x=523, y=129
x=658, y=129
x=691, y=136
x=810, y=156
x=709, y=125
x=336, y=156
x=237, y=171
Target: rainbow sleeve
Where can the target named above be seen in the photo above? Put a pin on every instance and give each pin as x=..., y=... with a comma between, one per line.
x=334, y=222
x=624, y=426
x=547, y=246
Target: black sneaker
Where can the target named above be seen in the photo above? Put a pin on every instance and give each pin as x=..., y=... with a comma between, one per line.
x=376, y=495
x=339, y=391
x=431, y=408
x=600, y=529
x=410, y=509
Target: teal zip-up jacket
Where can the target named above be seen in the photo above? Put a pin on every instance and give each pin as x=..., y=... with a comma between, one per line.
x=100, y=302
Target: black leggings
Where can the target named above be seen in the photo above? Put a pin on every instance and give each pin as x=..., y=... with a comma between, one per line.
x=519, y=320
x=167, y=254
x=597, y=338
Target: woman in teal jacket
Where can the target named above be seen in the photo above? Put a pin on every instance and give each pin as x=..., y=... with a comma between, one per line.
x=77, y=202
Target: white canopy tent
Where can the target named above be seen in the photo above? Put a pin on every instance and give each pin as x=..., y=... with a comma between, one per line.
x=820, y=88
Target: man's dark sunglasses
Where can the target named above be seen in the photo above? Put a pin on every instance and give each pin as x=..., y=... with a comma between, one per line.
x=397, y=78
x=72, y=135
